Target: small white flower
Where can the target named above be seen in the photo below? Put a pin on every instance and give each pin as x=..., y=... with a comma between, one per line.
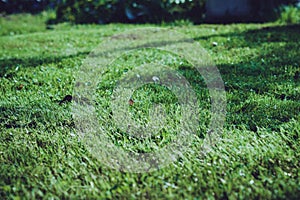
x=215, y=44
x=155, y=79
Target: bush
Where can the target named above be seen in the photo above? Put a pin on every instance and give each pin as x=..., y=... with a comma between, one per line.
x=154, y=11
x=101, y=11
x=290, y=15
x=135, y=11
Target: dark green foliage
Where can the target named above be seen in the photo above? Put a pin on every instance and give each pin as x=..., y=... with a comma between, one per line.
x=141, y=11
x=138, y=11
x=31, y=6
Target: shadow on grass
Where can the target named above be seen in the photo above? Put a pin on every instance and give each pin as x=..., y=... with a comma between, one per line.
x=261, y=88
x=252, y=38
x=6, y=65
x=39, y=115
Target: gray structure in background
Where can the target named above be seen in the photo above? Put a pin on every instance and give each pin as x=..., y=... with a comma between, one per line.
x=241, y=10
x=218, y=9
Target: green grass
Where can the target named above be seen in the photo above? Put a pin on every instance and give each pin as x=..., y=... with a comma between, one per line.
x=23, y=23
x=41, y=155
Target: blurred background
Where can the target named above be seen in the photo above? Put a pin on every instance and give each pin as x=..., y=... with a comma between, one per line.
x=157, y=11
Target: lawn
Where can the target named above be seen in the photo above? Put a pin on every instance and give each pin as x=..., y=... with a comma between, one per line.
x=42, y=155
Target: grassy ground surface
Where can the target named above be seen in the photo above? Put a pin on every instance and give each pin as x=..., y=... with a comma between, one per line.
x=41, y=155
